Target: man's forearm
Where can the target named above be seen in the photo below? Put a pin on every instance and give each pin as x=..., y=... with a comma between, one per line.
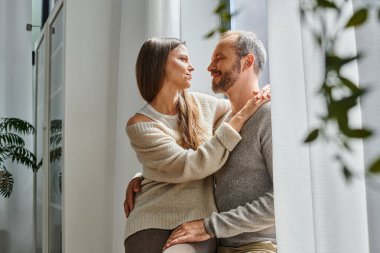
x=251, y=217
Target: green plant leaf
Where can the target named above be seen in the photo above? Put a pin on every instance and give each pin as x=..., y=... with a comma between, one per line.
x=25, y=157
x=209, y=34
x=11, y=139
x=222, y=29
x=226, y=16
x=358, y=18
x=55, y=154
x=342, y=120
x=349, y=84
x=56, y=139
x=16, y=125
x=334, y=62
x=56, y=126
x=358, y=133
x=346, y=103
x=221, y=7
x=312, y=136
x=6, y=183
x=347, y=173
x=375, y=167
x=326, y=4
x=38, y=166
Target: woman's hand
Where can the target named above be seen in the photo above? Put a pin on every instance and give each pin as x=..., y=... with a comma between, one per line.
x=258, y=99
x=134, y=186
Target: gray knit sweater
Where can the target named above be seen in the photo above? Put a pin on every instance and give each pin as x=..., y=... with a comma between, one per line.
x=244, y=187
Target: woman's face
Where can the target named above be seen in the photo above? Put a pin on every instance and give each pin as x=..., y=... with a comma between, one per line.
x=178, y=68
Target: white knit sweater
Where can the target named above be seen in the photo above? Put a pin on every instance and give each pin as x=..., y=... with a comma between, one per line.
x=177, y=186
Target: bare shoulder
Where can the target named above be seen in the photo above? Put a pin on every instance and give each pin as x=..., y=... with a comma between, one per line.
x=138, y=118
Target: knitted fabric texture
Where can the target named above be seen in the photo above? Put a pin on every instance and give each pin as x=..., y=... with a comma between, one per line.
x=244, y=187
x=177, y=186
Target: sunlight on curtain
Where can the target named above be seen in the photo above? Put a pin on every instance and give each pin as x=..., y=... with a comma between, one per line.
x=316, y=209
x=163, y=18
x=368, y=42
x=291, y=163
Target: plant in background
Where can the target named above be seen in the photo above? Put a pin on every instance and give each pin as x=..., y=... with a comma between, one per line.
x=223, y=11
x=56, y=146
x=12, y=147
x=340, y=94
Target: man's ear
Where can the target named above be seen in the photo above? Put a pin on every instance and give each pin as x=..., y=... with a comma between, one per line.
x=249, y=60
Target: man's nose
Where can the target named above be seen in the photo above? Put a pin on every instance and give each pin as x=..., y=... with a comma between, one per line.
x=210, y=67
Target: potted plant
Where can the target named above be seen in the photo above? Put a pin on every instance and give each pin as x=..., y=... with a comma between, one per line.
x=12, y=150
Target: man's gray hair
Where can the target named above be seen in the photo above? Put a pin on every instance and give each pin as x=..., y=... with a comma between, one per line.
x=248, y=42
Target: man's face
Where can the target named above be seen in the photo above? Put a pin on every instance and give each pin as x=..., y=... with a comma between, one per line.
x=224, y=66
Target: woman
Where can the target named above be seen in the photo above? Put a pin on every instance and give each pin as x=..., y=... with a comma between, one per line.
x=173, y=138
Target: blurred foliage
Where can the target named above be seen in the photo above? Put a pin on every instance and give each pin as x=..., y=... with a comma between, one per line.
x=340, y=94
x=223, y=11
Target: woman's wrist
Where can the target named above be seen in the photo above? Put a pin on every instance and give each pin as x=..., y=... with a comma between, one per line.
x=237, y=121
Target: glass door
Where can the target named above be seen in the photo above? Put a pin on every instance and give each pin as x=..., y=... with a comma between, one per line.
x=55, y=133
x=39, y=175
x=49, y=117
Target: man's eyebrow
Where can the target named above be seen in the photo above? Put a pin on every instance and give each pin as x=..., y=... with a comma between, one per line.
x=217, y=55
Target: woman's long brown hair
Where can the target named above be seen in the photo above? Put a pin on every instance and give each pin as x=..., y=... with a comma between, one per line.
x=150, y=76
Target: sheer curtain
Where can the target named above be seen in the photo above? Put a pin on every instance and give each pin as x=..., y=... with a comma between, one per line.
x=316, y=209
x=16, y=100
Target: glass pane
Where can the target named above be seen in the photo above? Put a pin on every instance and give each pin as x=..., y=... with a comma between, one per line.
x=55, y=135
x=252, y=16
x=39, y=184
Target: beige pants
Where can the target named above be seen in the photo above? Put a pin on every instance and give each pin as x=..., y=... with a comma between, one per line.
x=258, y=247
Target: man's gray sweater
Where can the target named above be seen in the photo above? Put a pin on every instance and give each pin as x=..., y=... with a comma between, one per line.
x=244, y=187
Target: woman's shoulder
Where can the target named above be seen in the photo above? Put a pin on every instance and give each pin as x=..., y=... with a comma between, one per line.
x=137, y=118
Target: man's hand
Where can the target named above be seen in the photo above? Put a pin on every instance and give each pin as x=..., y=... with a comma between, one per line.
x=192, y=231
x=133, y=187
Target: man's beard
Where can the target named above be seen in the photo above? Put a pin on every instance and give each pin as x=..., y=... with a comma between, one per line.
x=228, y=79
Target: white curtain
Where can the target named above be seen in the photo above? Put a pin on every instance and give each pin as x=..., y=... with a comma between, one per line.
x=368, y=42
x=163, y=18
x=16, y=100
x=316, y=209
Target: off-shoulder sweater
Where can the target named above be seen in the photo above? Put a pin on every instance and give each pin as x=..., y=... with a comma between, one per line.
x=177, y=185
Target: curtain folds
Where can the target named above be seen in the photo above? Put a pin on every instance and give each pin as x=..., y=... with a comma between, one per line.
x=163, y=18
x=317, y=210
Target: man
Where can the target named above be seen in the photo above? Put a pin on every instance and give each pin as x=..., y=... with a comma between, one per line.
x=244, y=185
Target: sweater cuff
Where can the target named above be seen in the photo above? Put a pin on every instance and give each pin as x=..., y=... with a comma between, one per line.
x=228, y=136
x=138, y=174
x=209, y=229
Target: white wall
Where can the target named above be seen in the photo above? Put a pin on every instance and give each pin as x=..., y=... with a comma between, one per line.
x=91, y=74
x=16, y=101
x=132, y=36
